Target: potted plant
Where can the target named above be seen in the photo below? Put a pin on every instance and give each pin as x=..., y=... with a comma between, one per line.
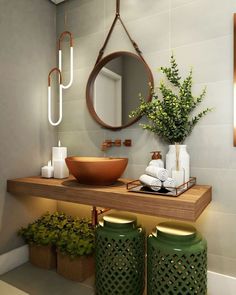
x=75, y=250
x=171, y=117
x=42, y=236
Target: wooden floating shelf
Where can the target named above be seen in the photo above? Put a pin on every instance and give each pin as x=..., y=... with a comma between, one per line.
x=187, y=206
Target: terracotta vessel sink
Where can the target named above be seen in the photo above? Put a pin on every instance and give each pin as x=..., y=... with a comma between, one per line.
x=96, y=170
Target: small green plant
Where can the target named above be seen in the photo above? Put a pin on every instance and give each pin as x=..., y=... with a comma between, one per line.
x=171, y=116
x=45, y=230
x=72, y=236
x=57, y=220
x=39, y=234
x=77, y=239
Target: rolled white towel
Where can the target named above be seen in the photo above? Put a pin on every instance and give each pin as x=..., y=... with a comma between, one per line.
x=156, y=163
x=152, y=182
x=159, y=173
x=169, y=183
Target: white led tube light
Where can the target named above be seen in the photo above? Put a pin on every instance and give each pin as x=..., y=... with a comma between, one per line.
x=50, y=106
x=71, y=67
x=61, y=86
x=50, y=98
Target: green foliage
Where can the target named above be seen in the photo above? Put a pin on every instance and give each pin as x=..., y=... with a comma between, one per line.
x=72, y=236
x=55, y=221
x=77, y=239
x=171, y=117
x=39, y=234
x=44, y=231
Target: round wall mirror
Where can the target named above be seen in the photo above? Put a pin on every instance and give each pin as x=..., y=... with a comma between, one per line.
x=113, y=89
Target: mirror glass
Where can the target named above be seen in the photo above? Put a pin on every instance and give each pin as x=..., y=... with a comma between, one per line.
x=114, y=86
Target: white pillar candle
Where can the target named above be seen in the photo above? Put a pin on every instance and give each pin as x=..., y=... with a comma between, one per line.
x=60, y=169
x=47, y=171
x=59, y=154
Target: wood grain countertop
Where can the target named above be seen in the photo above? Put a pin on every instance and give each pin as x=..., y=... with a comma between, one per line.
x=187, y=206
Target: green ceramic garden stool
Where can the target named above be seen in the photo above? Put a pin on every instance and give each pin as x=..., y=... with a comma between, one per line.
x=176, y=261
x=119, y=256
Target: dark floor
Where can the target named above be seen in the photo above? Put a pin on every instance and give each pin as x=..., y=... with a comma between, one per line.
x=36, y=281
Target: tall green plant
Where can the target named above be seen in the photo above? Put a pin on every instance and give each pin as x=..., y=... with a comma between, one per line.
x=170, y=117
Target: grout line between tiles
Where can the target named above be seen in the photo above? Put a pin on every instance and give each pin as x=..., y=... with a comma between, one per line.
x=142, y=18
x=223, y=256
x=212, y=168
x=181, y=5
x=203, y=41
x=214, y=82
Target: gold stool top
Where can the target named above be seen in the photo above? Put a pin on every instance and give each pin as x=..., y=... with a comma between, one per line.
x=176, y=229
x=119, y=218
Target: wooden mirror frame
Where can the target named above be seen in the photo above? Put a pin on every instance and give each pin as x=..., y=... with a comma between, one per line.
x=93, y=76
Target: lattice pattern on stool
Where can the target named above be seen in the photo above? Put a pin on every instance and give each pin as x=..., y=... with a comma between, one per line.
x=119, y=266
x=178, y=274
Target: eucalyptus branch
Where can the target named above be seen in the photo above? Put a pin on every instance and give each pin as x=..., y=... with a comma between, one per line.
x=172, y=73
x=170, y=117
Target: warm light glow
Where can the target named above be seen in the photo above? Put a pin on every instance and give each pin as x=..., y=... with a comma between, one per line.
x=71, y=66
x=59, y=143
x=50, y=163
x=50, y=106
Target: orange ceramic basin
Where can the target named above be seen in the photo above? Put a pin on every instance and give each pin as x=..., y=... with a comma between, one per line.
x=96, y=170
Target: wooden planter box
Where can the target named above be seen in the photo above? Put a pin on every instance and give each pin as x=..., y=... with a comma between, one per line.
x=43, y=256
x=77, y=269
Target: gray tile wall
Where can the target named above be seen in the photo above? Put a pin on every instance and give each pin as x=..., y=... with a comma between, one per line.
x=27, y=30
x=200, y=34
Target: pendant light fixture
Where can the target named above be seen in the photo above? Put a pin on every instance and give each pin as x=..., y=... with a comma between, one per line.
x=71, y=57
x=59, y=71
x=50, y=98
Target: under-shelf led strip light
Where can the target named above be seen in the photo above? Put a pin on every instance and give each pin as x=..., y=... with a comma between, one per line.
x=71, y=57
x=50, y=100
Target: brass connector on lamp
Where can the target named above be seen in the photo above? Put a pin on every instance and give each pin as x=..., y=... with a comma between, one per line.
x=63, y=34
x=49, y=76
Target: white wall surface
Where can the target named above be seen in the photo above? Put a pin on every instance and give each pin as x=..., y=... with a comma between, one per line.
x=27, y=53
x=200, y=34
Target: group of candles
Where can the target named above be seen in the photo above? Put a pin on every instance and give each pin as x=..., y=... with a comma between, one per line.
x=57, y=167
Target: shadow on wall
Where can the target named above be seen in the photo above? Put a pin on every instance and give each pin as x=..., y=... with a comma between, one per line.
x=26, y=210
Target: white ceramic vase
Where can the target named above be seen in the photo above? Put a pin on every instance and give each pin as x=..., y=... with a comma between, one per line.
x=178, y=163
